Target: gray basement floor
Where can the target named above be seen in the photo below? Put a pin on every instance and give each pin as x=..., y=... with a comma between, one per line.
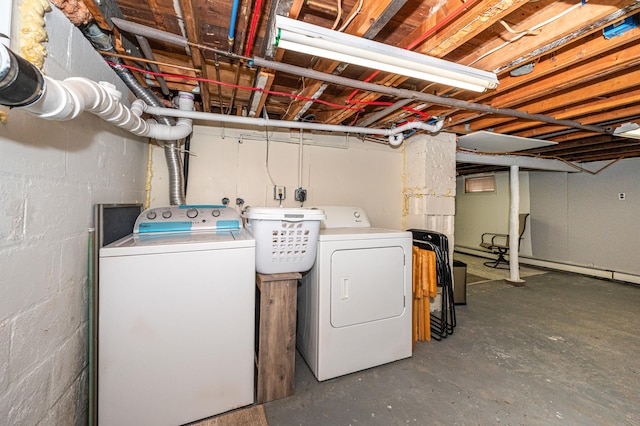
x=563, y=350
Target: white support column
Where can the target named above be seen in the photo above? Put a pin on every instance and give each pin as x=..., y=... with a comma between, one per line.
x=514, y=223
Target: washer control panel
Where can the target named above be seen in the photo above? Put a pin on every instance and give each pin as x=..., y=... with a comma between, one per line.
x=187, y=218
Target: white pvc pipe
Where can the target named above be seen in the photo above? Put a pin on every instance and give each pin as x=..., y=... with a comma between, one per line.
x=394, y=133
x=514, y=236
x=65, y=100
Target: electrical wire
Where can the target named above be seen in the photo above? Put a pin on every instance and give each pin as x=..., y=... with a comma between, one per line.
x=335, y=23
x=532, y=31
x=146, y=61
x=255, y=89
x=353, y=15
x=266, y=132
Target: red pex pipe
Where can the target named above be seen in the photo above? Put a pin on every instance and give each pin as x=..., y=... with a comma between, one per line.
x=254, y=24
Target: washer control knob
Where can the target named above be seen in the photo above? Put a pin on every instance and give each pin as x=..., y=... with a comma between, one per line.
x=192, y=213
x=215, y=212
x=356, y=214
x=151, y=215
x=166, y=214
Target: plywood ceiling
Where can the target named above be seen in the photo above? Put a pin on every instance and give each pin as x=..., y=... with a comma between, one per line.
x=579, y=85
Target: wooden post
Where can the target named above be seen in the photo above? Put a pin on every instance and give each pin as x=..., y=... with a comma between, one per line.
x=276, y=335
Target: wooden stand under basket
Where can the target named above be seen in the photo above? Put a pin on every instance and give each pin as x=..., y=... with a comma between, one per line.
x=276, y=328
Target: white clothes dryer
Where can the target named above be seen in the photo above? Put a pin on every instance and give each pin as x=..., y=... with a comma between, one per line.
x=176, y=318
x=354, y=305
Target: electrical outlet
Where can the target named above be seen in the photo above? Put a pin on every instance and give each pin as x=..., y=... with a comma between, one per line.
x=301, y=195
x=622, y=196
x=279, y=193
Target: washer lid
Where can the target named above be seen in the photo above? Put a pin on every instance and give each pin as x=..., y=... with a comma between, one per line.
x=341, y=234
x=173, y=242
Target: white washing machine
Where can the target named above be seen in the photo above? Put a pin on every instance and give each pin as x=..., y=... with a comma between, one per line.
x=176, y=318
x=354, y=305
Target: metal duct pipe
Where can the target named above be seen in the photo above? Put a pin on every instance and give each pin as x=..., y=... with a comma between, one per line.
x=102, y=41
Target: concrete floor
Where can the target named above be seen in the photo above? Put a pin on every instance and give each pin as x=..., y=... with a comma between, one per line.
x=563, y=350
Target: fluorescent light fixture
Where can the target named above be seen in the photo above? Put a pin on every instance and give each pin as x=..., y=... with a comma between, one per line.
x=313, y=40
x=628, y=130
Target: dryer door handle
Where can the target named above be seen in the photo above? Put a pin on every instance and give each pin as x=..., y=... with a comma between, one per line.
x=345, y=288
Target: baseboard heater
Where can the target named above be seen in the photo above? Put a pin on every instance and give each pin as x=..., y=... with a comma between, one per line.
x=560, y=266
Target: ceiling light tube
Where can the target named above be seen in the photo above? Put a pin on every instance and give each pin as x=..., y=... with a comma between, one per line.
x=310, y=39
x=628, y=130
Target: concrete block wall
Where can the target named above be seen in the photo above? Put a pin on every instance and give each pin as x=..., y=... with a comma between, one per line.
x=430, y=183
x=336, y=170
x=51, y=174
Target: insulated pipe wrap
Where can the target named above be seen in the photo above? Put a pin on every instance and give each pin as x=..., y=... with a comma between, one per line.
x=151, y=33
x=21, y=83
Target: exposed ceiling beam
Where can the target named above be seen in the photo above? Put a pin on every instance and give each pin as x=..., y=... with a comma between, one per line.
x=550, y=67
x=581, y=20
x=192, y=26
x=366, y=24
x=458, y=30
x=290, y=8
x=625, y=81
x=404, y=93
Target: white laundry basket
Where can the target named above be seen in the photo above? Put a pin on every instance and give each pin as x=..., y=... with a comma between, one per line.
x=286, y=238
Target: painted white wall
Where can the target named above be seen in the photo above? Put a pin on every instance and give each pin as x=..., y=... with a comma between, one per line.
x=578, y=219
x=430, y=185
x=51, y=174
x=477, y=213
x=232, y=163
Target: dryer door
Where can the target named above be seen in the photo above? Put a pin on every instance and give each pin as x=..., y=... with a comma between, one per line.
x=367, y=284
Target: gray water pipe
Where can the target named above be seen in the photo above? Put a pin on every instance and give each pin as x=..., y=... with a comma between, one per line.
x=395, y=134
